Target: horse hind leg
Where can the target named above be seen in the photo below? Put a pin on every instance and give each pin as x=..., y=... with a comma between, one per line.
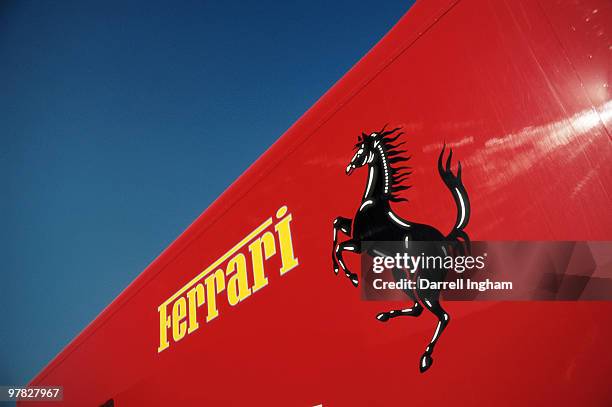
x=413, y=311
x=443, y=320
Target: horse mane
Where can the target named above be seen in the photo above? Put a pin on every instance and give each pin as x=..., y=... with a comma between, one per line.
x=394, y=156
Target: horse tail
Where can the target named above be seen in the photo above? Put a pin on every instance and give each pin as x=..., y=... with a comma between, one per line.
x=457, y=236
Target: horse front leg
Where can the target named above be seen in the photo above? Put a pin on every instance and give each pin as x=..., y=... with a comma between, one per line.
x=343, y=225
x=351, y=246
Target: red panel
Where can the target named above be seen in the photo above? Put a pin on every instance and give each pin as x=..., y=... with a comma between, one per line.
x=582, y=29
x=509, y=87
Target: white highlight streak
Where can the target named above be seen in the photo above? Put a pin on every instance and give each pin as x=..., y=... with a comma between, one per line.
x=366, y=203
x=397, y=220
x=437, y=331
x=370, y=180
x=462, y=208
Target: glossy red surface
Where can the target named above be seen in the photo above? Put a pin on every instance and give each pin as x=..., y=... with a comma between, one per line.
x=520, y=90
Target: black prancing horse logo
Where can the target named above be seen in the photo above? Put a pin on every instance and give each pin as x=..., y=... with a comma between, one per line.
x=375, y=221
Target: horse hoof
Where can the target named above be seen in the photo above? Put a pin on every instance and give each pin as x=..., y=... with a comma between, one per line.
x=354, y=280
x=426, y=361
x=335, y=270
x=383, y=317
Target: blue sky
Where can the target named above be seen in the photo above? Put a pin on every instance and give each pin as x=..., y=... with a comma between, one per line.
x=120, y=122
